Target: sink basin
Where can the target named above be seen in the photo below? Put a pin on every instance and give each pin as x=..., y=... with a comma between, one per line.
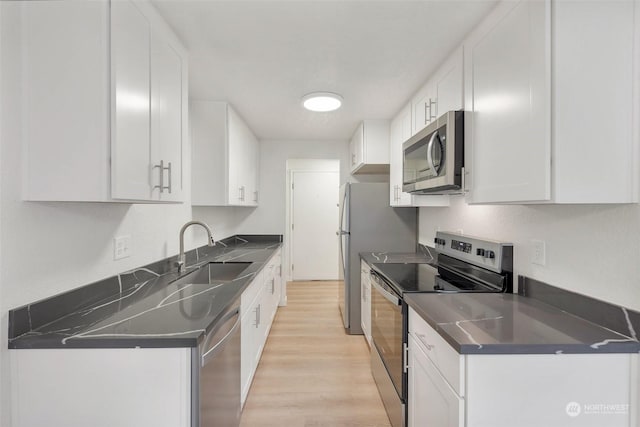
x=215, y=272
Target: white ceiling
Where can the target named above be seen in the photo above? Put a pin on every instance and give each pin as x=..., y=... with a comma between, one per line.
x=263, y=56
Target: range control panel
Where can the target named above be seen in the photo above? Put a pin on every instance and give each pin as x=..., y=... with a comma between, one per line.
x=490, y=254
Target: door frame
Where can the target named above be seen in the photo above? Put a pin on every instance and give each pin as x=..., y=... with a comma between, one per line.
x=300, y=165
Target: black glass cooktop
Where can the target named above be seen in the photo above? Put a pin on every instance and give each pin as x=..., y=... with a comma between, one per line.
x=427, y=278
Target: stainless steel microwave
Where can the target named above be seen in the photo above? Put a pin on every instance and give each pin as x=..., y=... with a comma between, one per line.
x=433, y=159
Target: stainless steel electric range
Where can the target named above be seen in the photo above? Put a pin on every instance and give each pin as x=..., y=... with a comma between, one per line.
x=464, y=264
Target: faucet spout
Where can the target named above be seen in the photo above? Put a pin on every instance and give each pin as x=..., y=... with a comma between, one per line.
x=210, y=241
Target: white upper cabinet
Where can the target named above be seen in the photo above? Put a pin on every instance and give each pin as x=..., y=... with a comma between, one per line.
x=167, y=105
x=224, y=157
x=443, y=92
x=131, y=102
x=508, y=99
x=534, y=63
x=399, y=131
x=594, y=149
x=97, y=134
x=369, y=147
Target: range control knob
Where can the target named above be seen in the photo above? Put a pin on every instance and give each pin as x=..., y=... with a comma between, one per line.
x=490, y=254
x=480, y=252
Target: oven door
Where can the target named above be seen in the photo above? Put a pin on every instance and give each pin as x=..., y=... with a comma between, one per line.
x=386, y=329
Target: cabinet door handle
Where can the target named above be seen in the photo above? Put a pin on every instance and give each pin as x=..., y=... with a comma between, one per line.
x=255, y=196
x=353, y=159
x=162, y=168
x=169, y=170
x=433, y=103
x=273, y=286
x=257, y=310
x=426, y=113
x=241, y=191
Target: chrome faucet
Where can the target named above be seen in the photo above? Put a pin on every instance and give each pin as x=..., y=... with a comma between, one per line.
x=181, y=257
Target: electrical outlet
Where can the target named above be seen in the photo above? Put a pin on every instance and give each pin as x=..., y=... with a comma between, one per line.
x=538, y=254
x=122, y=247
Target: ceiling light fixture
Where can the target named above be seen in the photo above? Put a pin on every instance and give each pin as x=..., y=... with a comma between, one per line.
x=322, y=101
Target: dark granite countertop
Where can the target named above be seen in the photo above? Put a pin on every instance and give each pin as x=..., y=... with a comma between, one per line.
x=542, y=319
x=515, y=324
x=424, y=255
x=144, y=307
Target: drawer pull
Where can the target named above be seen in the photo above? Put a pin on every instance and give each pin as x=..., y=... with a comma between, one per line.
x=423, y=340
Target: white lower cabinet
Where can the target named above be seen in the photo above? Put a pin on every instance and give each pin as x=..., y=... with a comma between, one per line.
x=252, y=341
x=439, y=405
x=102, y=387
x=258, y=306
x=365, y=300
x=446, y=389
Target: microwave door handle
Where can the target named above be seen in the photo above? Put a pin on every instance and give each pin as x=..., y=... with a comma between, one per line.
x=430, y=153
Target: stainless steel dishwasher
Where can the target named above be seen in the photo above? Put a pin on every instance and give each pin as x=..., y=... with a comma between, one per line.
x=216, y=374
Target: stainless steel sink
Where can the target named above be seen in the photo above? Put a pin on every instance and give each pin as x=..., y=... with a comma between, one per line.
x=215, y=272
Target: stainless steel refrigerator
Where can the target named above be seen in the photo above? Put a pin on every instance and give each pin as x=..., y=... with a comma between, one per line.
x=368, y=224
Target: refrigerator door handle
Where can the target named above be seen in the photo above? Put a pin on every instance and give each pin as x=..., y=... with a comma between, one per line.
x=342, y=232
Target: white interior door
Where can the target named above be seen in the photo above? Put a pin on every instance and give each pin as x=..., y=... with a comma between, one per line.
x=314, y=221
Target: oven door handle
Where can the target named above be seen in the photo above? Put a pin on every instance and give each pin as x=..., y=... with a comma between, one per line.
x=388, y=295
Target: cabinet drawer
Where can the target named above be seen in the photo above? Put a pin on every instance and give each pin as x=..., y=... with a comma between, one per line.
x=448, y=361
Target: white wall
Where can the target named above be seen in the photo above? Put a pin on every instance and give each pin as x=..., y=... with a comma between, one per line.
x=269, y=216
x=49, y=248
x=590, y=249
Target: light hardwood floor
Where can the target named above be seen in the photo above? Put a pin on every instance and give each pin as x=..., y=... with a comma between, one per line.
x=312, y=373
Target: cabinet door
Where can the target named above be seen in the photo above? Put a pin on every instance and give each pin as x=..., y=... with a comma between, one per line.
x=395, y=157
x=431, y=401
x=252, y=335
x=166, y=121
x=448, y=85
x=508, y=127
x=423, y=105
x=251, y=163
x=357, y=147
x=130, y=141
x=65, y=111
x=235, y=161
